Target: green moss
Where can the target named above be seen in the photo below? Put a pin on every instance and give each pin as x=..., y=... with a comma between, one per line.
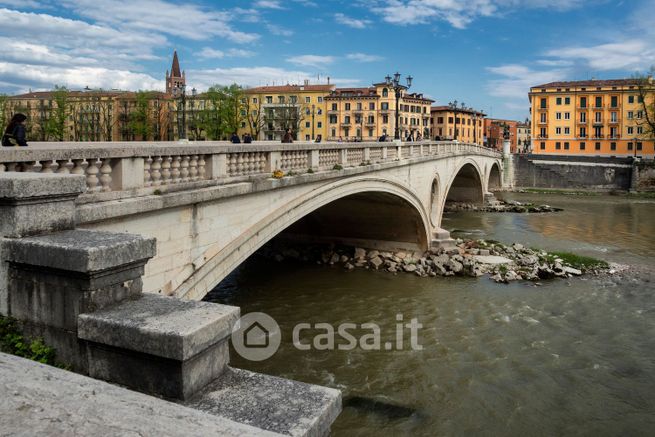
x=157, y=192
x=337, y=167
x=13, y=342
x=309, y=170
x=579, y=261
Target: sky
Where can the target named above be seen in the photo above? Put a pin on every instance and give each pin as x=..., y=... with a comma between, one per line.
x=486, y=53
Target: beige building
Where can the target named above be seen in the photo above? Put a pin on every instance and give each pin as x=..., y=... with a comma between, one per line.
x=462, y=124
x=523, y=137
x=365, y=114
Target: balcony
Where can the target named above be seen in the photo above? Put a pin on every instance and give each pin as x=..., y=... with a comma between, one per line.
x=543, y=122
x=598, y=122
x=346, y=124
x=582, y=122
x=614, y=122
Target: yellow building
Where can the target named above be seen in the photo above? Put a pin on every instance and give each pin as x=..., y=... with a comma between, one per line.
x=594, y=117
x=365, y=114
x=270, y=110
x=454, y=123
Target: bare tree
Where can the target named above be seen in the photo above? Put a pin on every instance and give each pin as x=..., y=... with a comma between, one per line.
x=646, y=96
x=255, y=117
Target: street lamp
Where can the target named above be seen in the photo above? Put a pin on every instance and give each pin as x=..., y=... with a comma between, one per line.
x=182, y=128
x=453, y=106
x=634, y=144
x=397, y=87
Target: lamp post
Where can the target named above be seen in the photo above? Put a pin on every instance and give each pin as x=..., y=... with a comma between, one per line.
x=313, y=115
x=194, y=92
x=634, y=143
x=394, y=83
x=182, y=128
x=453, y=107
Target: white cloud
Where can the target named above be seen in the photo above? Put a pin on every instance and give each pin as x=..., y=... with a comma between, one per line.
x=515, y=80
x=177, y=19
x=279, y=31
x=45, y=77
x=312, y=60
x=625, y=55
x=355, y=23
x=268, y=4
x=209, y=53
x=255, y=76
x=461, y=13
x=363, y=57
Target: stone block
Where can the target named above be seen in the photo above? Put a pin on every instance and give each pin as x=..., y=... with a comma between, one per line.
x=270, y=403
x=33, y=203
x=81, y=250
x=177, y=345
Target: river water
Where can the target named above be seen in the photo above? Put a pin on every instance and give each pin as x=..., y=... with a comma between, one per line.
x=570, y=357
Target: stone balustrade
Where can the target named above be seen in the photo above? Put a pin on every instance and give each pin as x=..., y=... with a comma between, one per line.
x=124, y=166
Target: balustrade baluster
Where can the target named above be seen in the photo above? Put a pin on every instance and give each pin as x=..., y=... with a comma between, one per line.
x=3, y=167
x=105, y=171
x=92, y=176
x=65, y=167
x=177, y=162
x=147, y=177
x=166, y=170
x=202, y=171
x=184, y=169
x=155, y=173
x=49, y=166
x=193, y=168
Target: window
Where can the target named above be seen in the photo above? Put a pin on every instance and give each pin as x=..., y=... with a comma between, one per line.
x=566, y=146
x=333, y=132
x=567, y=116
x=567, y=100
x=640, y=114
x=639, y=146
x=597, y=146
x=346, y=119
x=631, y=99
x=583, y=102
x=599, y=117
x=308, y=100
x=558, y=101
x=567, y=131
x=558, y=131
x=544, y=103
x=370, y=132
x=543, y=117
x=333, y=119
x=583, y=117
x=583, y=132
x=612, y=146
x=307, y=137
x=640, y=130
x=371, y=119
x=558, y=145
x=269, y=99
x=385, y=106
x=347, y=106
x=334, y=106
x=319, y=124
x=582, y=146
x=307, y=125
x=385, y=92
x=385, y=119
x=254, y=99
x=450, y=120
x=293, y=99
x=371, y=106
x=558, y=116
x=599, y=102
x=542, y=145
x=542, y=132
x=640, y=99
x=280, y=100
x=440, y=120
x=359, y=106
x=320, y=100
x=631, y=115
x=614, y=102
x=630, y=145
x=614, y=117
x=631, y=130
x=613, y=133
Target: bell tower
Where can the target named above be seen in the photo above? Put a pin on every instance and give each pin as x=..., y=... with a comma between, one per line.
x=176, y=80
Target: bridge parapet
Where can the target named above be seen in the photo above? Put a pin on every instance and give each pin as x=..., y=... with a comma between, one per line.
x=128, y=166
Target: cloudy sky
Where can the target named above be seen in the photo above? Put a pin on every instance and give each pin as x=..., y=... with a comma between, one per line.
x=486, y=53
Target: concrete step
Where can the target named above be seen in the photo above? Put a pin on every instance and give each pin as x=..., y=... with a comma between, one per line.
x=159, y=345
x=273, y=404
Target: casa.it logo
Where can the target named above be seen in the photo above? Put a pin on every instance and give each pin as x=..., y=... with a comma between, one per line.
x=256, y=336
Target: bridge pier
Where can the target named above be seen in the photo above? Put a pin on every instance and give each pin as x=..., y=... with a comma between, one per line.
x=441, y=240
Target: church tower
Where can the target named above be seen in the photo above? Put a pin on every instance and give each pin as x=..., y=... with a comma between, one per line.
x=176, y=80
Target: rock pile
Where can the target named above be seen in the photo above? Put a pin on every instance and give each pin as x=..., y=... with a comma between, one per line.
x=473, y=258
x=500, y=206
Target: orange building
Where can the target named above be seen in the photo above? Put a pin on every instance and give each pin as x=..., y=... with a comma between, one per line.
x=454, y=123
x=593, y=117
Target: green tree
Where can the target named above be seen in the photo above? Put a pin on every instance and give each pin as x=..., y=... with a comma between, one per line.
x=141, y=116
x=55, y=126
x=646, y=96
x=223, y=113
x=4, y=111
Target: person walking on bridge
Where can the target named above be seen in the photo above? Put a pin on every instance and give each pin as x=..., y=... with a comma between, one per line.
x=288, y=137
x=15, y=132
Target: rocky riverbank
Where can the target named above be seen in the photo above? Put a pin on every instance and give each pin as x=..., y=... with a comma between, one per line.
x=500, y=206
x=502, y=263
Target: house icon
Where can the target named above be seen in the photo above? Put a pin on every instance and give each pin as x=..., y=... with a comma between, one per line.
x=256, y=336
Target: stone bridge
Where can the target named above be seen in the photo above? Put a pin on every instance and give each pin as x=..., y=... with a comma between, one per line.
x=211, y=205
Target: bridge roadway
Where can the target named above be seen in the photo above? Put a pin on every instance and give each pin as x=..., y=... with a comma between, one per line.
x=210, y=205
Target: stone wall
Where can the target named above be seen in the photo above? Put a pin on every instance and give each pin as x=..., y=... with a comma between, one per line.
x=645, y=177
x=575, y=172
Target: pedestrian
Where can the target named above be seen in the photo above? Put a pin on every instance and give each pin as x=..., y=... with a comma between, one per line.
x=235, y=138
x=383, y=138
x=340, y=140
x=319, y=137
x=288, y=137
x=15, y=132
x=419, y=137
x=247, y=138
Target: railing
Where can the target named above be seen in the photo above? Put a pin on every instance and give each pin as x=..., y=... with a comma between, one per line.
x=123, y=166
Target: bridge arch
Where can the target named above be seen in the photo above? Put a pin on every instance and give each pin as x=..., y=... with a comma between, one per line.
x=465, y=185
x=494, y=179
x=407, y=221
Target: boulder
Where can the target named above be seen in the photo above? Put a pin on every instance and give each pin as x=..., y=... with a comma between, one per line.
x=376, y=262
x=360, y=253
x=410, y=268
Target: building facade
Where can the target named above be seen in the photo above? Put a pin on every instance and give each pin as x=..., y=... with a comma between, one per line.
x=268, y=111
x=494, y=132
x=460, y=124
x=595, y=117
x=523, y=137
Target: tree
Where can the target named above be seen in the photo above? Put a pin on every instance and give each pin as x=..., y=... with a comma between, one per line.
x=223, y=112
x=140, y=119
x=4, y=111
x=254, y=117
x=646, y=98
x=55, y=126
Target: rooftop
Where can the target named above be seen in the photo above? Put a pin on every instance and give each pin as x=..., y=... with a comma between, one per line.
x=464, y=110
x=290, y=88
x=590, y=83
